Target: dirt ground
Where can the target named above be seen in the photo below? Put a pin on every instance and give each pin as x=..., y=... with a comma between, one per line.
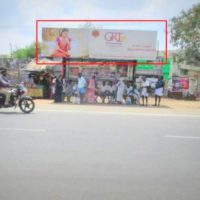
x=167, y=106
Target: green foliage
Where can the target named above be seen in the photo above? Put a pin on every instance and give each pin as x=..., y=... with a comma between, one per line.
x=185, y=34
x=27, y=52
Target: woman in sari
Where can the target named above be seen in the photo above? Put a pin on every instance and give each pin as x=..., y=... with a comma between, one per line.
x=63, y=45
x=91, y=90
x=58, y=90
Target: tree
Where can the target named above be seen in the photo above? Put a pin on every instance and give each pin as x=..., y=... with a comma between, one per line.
x=26, y=52
x=185, y=34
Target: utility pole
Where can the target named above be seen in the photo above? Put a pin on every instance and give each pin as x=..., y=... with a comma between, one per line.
x=64, y=67
x=157, y=48
x=11, y=51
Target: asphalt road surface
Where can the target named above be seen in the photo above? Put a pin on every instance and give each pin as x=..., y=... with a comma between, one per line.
x=57, y=155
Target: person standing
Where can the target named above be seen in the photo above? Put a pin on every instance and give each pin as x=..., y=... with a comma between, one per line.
x=46, y=87
x=82, y=84
x=53, y=87
x=69, y=91
x=112, y=92
x=91, y=98
x=159, y=91
x=4, y=84
x=129, y=90
x=59, y=89
x=139, y=84
x=30, y=81
x=103, y=89
x=136, y=94
x=129, y=93
x=75, y=94
x=144, y=92
x=120, y=91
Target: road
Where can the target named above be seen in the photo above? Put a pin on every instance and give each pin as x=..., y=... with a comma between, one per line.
x=79, y=155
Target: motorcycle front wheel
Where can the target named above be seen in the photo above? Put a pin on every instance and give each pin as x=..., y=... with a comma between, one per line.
x=26, y=105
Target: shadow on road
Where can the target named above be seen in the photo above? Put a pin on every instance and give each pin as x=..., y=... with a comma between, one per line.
x=111, y=105
x=13, y=113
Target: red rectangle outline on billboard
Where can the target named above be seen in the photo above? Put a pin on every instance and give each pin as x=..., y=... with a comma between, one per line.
x=103, y=62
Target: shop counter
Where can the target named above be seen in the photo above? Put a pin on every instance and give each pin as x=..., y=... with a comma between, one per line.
x=36, y=92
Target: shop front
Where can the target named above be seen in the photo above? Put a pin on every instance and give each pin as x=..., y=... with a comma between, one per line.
x=38, y=78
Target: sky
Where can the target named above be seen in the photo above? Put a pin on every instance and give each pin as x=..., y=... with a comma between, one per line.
x=17, y=24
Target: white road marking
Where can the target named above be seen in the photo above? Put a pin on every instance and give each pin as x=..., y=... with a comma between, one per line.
x=22, y=129
x=182, y=137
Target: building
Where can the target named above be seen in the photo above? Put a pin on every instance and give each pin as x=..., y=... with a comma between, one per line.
x=193, y=74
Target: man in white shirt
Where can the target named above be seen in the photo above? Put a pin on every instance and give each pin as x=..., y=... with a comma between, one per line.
x=104, y=91
x=120, y=91
x=144, y=92
x=81, y=87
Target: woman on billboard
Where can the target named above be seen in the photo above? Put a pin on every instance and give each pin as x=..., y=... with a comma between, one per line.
x=63, y=45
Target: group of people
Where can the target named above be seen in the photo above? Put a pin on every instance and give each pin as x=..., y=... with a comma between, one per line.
x=88, y=90
x=91, y=90
x=145, y=89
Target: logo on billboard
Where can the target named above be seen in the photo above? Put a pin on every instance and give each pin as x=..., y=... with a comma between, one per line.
x=95, y=33
x=114, y=37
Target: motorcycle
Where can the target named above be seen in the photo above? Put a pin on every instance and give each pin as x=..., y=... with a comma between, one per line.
x=18, y=98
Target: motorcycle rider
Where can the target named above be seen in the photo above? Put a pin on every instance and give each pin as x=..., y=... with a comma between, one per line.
x=4, y=84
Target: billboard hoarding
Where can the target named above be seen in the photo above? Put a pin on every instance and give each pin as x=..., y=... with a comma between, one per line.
x=99, y=44
x=122, y=44
x=52, y=41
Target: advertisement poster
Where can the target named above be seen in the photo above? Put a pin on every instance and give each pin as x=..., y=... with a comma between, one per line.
x=122, y=71
x=73, y=71
x=180, y=84
x=102, y=72
x=89, y=71
x=64, y=42
x=99, y=44
x=122, y=44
